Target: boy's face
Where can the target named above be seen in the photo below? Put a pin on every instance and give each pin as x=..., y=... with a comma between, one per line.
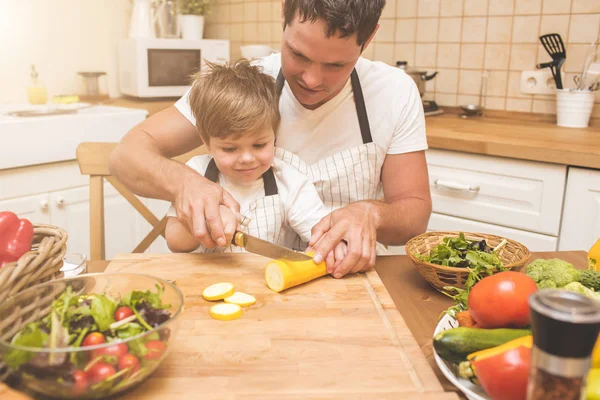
x=315, y=66
x=244, y=158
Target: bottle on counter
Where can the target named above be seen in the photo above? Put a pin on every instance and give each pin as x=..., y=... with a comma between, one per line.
x=565, y=327
x=36, y=92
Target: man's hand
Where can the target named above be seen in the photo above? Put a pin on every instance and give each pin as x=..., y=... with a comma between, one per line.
x=356, y=224
x=198, y=204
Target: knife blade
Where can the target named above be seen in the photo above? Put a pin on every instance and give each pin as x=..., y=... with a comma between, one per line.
x=267, y=249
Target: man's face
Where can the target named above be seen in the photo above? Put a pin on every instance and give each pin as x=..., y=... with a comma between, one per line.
x=316, y=66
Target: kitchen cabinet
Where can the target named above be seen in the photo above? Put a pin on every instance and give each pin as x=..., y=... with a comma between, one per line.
x=35, y=208
x=533, y=241
x=524, y=195
x=70, y=209
x=518, y=199
x=440, y=222
x=58, y=194
x=581, y=217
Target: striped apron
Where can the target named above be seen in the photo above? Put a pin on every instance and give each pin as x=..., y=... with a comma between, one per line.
x=263, y=218
x=348, y=176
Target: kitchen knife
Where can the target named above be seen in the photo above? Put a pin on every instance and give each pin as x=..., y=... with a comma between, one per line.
x=267, y=249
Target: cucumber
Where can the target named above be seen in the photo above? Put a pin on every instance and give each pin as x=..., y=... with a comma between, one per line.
x=456, y=344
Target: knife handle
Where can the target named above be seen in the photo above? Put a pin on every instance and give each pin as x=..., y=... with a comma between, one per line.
x=238, y=239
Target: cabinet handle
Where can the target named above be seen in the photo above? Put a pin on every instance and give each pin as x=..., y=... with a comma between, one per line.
x=456, y=186
x=44, y=204
x=60, y=201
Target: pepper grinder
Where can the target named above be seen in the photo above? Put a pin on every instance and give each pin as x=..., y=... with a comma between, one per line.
x=565, y=328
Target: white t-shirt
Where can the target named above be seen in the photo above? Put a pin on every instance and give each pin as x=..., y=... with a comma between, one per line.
x=301, y=203
x=393, y=104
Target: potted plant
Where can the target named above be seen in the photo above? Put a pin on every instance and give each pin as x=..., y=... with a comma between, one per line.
x=192, y=18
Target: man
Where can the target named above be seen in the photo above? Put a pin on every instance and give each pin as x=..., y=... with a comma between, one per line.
x=356, y=127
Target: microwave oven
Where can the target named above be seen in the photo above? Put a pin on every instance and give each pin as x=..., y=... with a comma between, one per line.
x=151, y=67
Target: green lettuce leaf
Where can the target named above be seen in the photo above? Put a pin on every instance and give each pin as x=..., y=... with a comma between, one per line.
x=30, y=336
x=103, y=311
x=136, y=296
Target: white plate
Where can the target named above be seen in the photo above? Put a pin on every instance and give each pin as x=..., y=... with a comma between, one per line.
x=450, y=371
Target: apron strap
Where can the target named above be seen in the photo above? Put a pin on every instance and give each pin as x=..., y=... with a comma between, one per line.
x=361, y=110
x=359, y=102
x=280, y=82
x=269, y=182
x=212, y=174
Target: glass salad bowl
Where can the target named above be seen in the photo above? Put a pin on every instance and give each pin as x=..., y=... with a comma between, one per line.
x=90, y=336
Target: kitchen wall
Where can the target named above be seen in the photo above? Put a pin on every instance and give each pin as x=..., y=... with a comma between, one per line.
x=458, y=38
x=61, y=37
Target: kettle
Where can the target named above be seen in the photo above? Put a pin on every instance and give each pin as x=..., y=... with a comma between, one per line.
x=420, y=77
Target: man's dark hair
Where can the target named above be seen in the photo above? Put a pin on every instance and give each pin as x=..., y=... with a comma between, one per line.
x=343, y=17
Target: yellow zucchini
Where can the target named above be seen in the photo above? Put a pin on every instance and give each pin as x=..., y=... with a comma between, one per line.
x=225, y=311
x=218, y=291
x=241, y=299
x=281, y=275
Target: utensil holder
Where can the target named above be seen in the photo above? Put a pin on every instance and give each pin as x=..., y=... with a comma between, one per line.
x=574, y=107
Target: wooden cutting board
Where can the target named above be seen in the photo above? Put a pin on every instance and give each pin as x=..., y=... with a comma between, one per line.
x=326, y=339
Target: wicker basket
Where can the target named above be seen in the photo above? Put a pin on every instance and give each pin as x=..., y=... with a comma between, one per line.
x=42, y=263
x=513, y=255
x=39, y=265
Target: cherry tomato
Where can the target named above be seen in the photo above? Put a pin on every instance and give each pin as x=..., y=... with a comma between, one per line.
x=81, y=382
x=123, y=312
x=501, y=300
x=155, y=349
x=93, y=338
x=100, y=371
x=129, y=361
x=114, y=351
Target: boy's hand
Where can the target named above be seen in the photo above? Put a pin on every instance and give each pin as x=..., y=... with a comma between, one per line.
x=230, y=223
x=199, y=204
x=335, y=257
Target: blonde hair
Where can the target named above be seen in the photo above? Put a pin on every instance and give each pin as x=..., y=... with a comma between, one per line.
x=233, y=99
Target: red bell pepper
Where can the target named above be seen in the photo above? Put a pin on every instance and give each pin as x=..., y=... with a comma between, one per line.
x=503, y=371
x=16, y=236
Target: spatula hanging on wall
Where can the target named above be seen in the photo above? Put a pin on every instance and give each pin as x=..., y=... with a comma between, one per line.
x=554, y=45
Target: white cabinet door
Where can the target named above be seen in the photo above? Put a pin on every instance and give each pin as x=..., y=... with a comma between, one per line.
x=71, y=211
x=581, y=216
x=518, y=194
x=34, y=208
x=533, y=241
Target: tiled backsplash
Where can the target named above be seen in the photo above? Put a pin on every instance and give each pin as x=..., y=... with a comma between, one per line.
x=458, y=38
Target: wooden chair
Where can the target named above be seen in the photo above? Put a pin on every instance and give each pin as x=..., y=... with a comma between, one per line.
x=92, y=158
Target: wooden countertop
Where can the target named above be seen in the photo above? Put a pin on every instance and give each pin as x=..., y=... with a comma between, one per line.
x=151, y=105
x=516, y=135
x=506, y=134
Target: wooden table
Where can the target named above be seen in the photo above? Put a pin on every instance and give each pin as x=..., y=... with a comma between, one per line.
x=418, y=303
x=330, y=339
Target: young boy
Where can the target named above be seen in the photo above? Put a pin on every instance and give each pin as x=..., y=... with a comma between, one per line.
x=237, y=115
